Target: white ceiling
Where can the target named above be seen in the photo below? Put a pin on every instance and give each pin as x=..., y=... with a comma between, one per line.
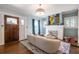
x=29, y=9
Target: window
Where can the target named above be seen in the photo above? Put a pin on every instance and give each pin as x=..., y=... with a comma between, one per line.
x=36, y=26
x=11, y=21
x=70, y=22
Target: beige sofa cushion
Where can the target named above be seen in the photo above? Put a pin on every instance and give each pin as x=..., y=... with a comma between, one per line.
x=51, y=37
x=48, y=45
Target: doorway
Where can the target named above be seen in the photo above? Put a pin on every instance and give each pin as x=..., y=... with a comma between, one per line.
x=11, y=29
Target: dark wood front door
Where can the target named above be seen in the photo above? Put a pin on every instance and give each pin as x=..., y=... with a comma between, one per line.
x=11, y=29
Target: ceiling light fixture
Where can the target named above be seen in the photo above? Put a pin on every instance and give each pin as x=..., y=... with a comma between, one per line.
x=40, y=11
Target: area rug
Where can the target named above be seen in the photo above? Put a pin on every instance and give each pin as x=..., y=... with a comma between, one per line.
x=32, y=48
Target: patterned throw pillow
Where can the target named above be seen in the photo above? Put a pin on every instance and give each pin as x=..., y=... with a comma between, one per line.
x=64, y=47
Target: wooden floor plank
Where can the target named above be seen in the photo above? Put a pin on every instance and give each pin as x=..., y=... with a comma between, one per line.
x=14, y=48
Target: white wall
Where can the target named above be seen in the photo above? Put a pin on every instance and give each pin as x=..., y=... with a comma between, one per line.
x=78, y=27
x=21, y=27
x=29, y=25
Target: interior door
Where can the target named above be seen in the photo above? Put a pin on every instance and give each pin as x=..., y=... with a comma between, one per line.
x=11, y=28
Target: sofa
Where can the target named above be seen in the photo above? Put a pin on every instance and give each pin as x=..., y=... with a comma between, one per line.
x=46, y=44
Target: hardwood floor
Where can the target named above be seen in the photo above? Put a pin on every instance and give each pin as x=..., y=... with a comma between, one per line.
x=18, y=48
x=14, y=48
x=74, y=50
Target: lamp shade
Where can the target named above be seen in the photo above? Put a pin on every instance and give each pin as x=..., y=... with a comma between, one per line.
x=40, y=12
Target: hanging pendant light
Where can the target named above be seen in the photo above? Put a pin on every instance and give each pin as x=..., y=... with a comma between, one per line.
x=40, y=11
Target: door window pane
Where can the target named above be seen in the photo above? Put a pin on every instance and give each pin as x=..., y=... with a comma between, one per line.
x=11, y=21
